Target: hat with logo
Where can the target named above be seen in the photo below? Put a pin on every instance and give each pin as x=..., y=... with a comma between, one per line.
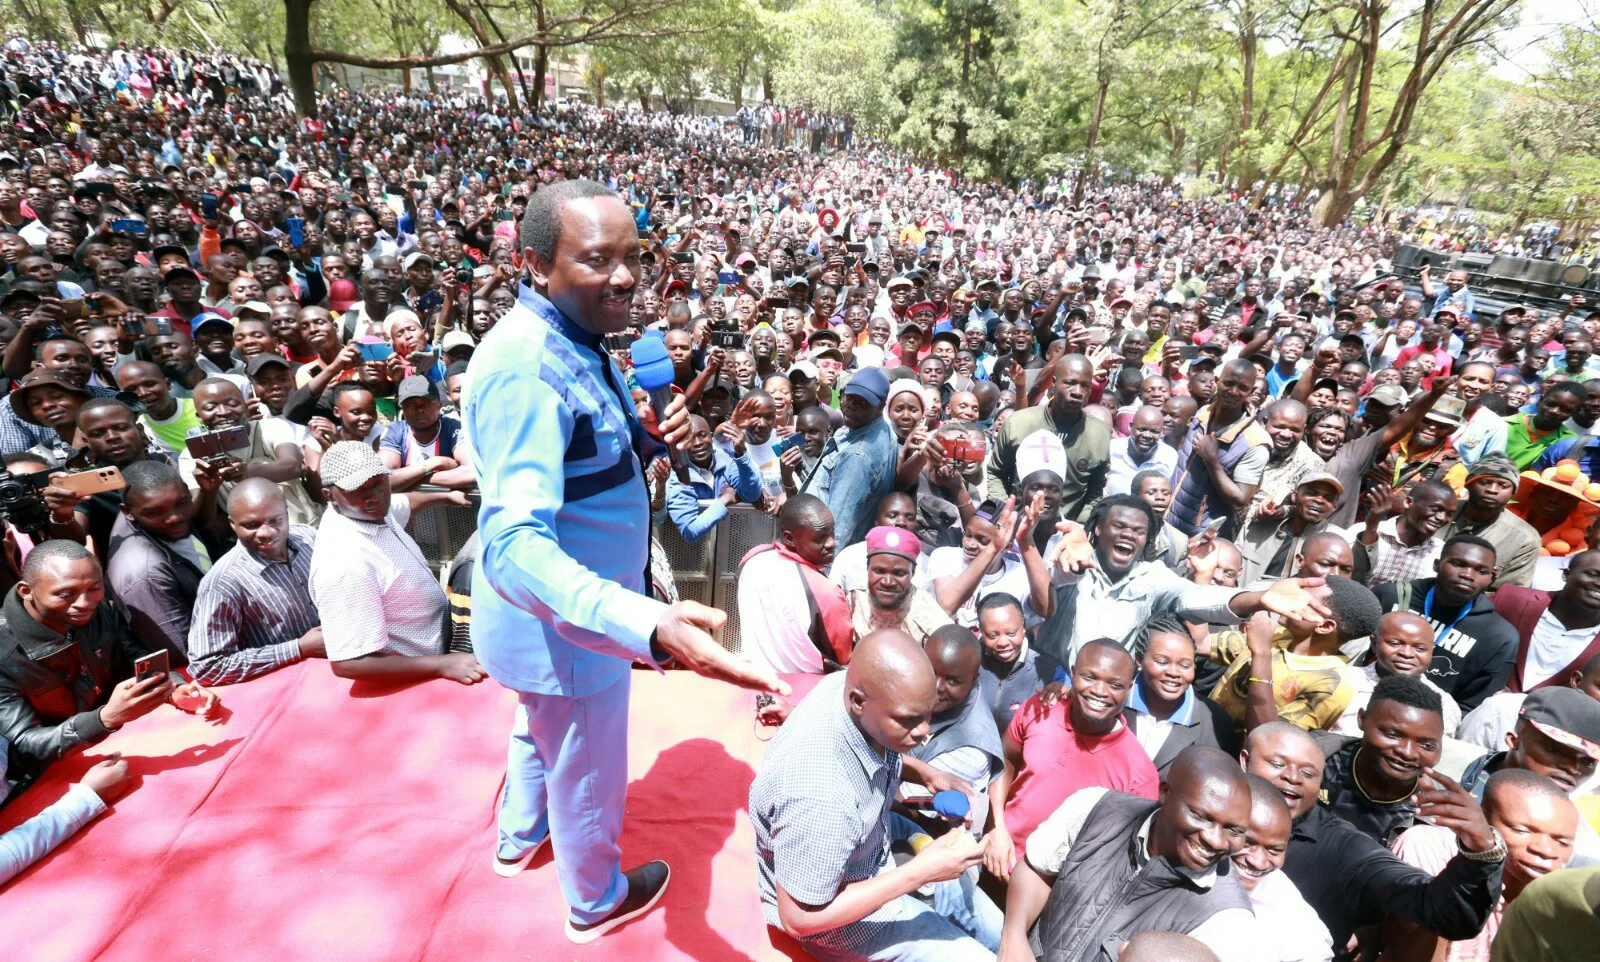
x=1565, y=715
x=1448, y=409
x=884, y=539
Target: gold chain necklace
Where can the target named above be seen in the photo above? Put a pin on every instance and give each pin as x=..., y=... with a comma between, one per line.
x=1355, y=765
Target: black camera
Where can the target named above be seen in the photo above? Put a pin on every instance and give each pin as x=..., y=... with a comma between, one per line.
x=21, y=506
x=727, y=338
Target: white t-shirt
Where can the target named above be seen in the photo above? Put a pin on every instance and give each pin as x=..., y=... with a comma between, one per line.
x=774, y=616
x=1012, y=578
x=1552, y=648
x=374, y=588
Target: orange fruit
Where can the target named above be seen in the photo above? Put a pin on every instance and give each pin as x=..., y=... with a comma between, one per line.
x=1558, y=548
x=1545, y=552
x=1567, y=472
x=1592, y=492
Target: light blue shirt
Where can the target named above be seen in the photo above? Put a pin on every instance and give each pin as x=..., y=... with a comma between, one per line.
x=39, y=835
x=1125, y=464
x=558, y=605
x=1483, y=434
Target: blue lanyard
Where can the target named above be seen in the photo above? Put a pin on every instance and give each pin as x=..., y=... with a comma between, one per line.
x=1427, y=612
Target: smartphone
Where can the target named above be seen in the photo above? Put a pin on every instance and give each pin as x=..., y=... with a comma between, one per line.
x=850, y=260
x=778, y=303
x=297, y=231
x=856, y=248
x=208, y=206
x=792, y=441
x=616, y=342
x=728, y=277
x=644, y=233
x=156, y=665
x=423, y=361
x=376, y=351
x=728, y=340
x=963, y=449
x=683, y=257
x=1187, y=352
x=133, y=326
x=431, y=301
x=1214, y=525
x=92, y=481
x=1099, y=335
x=129, y=226
x=216, y=444
x=418, y=184
x=505, y=215
x=159, y=326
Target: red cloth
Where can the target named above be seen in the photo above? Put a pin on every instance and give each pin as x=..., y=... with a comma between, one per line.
x=1057, y=761
x=324, y=819
x=832, y=629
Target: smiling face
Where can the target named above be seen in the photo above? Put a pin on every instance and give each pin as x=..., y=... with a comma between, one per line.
x=1531, y=748
x=595, y=267
x=1102, y=676
x=888, y=579
x=1266, y=841
x=1003, y=631
x=1403, y=645
x=1120, y=539
x=1167, y=668
x=1402, y=739
x=1291, y=761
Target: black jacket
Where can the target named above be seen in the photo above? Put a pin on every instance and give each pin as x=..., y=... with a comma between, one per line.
x=1351, y=881
x=53, y=686
x=1473, y=657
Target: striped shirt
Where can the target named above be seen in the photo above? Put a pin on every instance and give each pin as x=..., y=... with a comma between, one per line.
x=250, y=612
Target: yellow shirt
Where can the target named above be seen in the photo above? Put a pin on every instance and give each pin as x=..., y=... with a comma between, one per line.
x=1311, y=691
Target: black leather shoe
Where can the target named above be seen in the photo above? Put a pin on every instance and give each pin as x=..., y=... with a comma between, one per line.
x=646, y=885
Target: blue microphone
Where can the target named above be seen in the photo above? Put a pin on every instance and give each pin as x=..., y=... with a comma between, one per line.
x=652, y=369
x=952, y=805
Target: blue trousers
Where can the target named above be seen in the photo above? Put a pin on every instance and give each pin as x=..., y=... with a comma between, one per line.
x=567, y=777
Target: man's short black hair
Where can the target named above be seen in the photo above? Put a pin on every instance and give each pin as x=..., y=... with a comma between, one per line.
x=541, y=222
x=43, y=554
x=1568, y=387
x=1137, y=484
x=1408, y=690
x=455, y=369
x=343, y=388
x=101, y=403
x=1473, y=540
x=802, y=509
x=144, y=477
x=1356, y=610
x=1001, y=599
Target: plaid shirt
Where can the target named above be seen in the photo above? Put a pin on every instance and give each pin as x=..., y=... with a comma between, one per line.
x=1392, y=561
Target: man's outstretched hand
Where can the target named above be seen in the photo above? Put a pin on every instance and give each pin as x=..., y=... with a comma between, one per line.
x=684, y=632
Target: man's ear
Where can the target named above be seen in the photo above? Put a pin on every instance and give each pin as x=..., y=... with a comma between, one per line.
x=538, y=270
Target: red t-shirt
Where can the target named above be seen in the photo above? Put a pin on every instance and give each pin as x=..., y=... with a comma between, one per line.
x=1057, y=761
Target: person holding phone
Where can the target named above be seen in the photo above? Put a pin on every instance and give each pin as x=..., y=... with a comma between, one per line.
x=67, y=676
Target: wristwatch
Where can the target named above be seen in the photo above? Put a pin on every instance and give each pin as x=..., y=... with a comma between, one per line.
x=1495, y=854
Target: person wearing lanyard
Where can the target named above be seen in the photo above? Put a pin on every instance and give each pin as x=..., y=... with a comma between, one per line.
x=559, y=610
x=1474, y=646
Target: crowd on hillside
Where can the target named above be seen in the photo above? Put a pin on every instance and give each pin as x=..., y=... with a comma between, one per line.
x=1187, y=586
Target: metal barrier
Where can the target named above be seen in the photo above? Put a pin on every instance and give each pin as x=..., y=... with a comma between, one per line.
x=705, y=571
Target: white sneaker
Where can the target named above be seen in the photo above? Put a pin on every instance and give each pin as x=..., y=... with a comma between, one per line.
x=507, y=868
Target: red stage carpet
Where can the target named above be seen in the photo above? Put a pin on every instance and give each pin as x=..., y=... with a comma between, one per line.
x=320, y=820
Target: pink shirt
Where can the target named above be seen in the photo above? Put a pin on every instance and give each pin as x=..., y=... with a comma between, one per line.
x=1429, y=848
x=1057, y=761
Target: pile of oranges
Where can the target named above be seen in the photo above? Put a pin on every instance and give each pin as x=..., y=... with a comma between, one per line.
x=1568, y=538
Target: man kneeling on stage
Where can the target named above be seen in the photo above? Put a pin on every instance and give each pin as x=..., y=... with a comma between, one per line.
x=820, y=806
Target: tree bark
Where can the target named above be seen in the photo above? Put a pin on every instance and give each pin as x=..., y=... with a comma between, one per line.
x=1093, y=140
x=297, y=55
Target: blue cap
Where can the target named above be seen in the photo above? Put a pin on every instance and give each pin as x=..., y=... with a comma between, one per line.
x=871, y=385
x=207, y=317
x=952, y=804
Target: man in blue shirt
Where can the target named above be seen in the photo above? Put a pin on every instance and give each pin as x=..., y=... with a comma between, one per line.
x=559, y=610
x=858, y=465
x=721, y=478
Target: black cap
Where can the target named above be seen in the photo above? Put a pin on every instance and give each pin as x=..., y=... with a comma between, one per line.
x=177, y=271
x=261, y=361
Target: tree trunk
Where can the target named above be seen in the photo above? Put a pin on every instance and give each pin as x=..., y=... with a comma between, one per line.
x=1334, y=205
x=297, y=55
x=1247, y=99
x=766, y=86
x=541, y=66
x=1093, y=141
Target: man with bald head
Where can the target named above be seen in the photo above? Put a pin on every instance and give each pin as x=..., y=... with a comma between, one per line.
x=1403, y=645
x=1322, y=554
x=1107, y=866
x=1351, y=880
x=253, y=613
x=1142, y=450
x=1087, y=440
x=820, y=808
x=963, y=750
x=963, y=406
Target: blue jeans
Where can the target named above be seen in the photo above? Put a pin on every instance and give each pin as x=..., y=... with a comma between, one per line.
x=961, y=925
x=567, y=777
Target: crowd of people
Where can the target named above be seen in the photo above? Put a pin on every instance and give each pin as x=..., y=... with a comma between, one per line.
x=1185, y=584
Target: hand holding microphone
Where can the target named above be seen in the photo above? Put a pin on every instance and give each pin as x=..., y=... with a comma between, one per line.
x=652, y=368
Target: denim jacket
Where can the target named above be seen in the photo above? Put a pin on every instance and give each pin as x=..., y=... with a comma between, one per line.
x=857, y=470
x=683, y=500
